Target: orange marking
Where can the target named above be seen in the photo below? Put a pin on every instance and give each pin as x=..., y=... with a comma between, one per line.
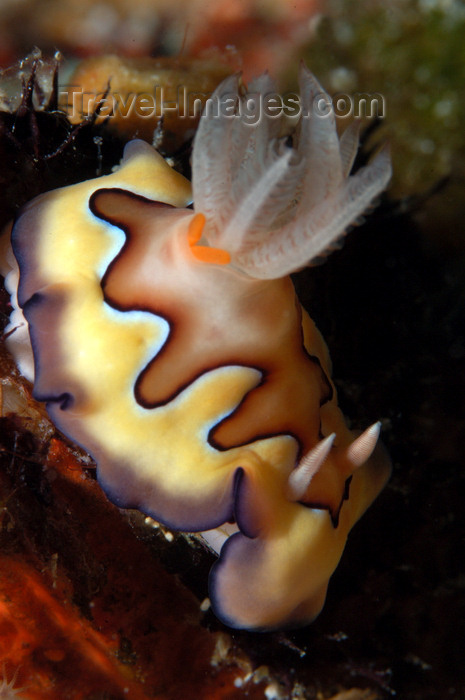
x=204, y=253
x=211, y=255
x=194, y=233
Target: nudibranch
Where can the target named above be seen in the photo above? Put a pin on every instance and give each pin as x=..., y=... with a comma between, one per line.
x=168, y=342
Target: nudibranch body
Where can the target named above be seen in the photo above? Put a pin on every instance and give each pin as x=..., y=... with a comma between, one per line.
x=169, y=343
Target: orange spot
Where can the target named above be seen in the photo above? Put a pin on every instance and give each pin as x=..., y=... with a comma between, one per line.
x=211, y=255
x=202, y=253
x=194, y=233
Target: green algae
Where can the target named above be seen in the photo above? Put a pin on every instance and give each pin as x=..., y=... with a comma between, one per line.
x=413, y=53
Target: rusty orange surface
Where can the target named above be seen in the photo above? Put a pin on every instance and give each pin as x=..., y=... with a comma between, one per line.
x=86, y=609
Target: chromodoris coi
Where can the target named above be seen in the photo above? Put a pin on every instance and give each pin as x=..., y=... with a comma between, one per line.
x=169, y=343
